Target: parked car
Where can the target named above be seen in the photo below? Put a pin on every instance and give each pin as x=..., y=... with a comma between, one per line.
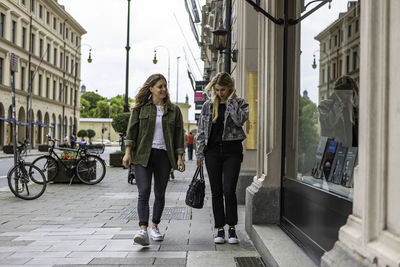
x=102, y=141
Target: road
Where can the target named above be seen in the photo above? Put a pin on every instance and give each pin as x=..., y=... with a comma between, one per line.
x=7, y=163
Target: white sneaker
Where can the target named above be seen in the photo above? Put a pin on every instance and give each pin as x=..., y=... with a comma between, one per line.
x=155, y=234
x=220, y=236
x=233, y=239
x=142, y=238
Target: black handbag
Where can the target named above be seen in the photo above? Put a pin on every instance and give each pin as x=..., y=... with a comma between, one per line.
x=196, y=191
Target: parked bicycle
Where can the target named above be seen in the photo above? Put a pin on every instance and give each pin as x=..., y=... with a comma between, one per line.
x=88, y=168
x=26, y=180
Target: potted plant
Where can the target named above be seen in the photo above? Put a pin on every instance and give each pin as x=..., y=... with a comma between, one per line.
x=120, y=124
x=91, y=133
x=82, y=134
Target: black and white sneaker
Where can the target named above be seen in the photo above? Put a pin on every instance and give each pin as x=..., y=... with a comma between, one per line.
x=220, y=236
x=233, y=239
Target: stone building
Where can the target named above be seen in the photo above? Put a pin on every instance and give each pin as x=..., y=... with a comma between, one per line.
x=47, y=41
x=293, y=217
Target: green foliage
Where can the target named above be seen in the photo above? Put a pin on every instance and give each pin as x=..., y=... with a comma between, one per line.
x=308, y=133
x=96, y=106
x=82, y=134
x=91, y=133
x=120, y=122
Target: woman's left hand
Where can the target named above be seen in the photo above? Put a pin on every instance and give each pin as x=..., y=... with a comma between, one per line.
x=181, y=165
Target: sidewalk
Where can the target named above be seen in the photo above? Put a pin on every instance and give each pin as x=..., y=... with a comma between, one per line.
x=81, y=225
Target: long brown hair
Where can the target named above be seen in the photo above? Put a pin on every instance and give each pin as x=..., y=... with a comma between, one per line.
x=145, y=93
x=222, y=79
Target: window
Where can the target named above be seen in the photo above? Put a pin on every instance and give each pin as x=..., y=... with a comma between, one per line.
x=330, y=43
x=32, y=5
x=13, y=31
x=356, y=26
x=31, y=81
x=349, y=31
x=22, y=78
x=32, y=43
x=61, y=28
x=1, y=70
x=334, y=71
x=355, y=60
x=340, y=68
x=2, y=22
x=61, y=59
x=336, y=41
x=59, y=92
x=66, y=33
x=66, y=95
x=72, y=37
x=48, y=53
x=40, y=48
x=323, y=75
x=324, y=45
x=54, y=90
x=47, y=87
x=40, y=11
x=66, y=64
x=347, y=64
x=72, y=66
x=55, y=57
x=23, y=37
x=76, y=40
x=54, y=23
x=47, y=17
x=341, y=36
x=40, y=85
x=23, y=2
x=72, y=95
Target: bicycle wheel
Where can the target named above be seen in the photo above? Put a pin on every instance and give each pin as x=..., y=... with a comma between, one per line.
x=48, y=166
x=27, y=182
x=91, y=169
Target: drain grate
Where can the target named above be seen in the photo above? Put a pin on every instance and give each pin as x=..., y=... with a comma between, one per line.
x=169, y=213
x=249, y=262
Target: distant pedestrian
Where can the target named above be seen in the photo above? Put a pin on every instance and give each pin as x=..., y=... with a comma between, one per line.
x=190, y=138
x=72, y=139
x=219, y=142
x=154, y=144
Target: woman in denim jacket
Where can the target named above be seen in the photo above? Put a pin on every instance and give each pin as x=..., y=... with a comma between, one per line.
x=219, y=143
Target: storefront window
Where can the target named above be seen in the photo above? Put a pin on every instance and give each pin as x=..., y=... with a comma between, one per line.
x=328, y=103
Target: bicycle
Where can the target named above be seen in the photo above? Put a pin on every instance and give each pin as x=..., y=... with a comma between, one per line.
x=27, y=185
x=88, y=168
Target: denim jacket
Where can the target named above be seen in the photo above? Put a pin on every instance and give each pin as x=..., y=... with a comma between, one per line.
x=236, y=114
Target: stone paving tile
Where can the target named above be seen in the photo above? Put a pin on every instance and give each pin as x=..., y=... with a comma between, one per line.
x=8, y=261
x=40, y=261
x=158, y=254
x=142, y=261
x=44, y=254
x=170, y=261
x=100, y=254
x=5, y=254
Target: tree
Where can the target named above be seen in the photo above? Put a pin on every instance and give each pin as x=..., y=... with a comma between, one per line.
x=308, y=133
x=120, y=122
x=82, y=134
x=91, y=133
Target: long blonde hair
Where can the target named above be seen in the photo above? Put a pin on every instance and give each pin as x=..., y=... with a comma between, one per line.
x=222, y=79
x=145, y=93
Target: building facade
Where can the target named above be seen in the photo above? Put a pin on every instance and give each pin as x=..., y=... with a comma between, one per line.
x=47, y=41
x=294, y=217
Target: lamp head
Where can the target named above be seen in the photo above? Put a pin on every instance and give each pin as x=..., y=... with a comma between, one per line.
x=90, y=56
x=220, y=38
x=155, y=57
x=314, y=65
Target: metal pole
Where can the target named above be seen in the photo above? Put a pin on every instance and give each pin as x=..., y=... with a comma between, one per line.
x=126, y=107
x=177, y=78
x=76, y=71
x=29, y=137
x=13, y=69
x=109, y=121
x=227, y=53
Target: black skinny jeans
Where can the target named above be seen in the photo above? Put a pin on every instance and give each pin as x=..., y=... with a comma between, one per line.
x=223, y=167
x=160, y=166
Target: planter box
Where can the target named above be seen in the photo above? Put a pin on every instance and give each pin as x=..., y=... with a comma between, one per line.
x=116, y=160
x=63, y=177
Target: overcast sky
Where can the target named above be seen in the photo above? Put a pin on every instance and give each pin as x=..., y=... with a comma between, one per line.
x=152, y=23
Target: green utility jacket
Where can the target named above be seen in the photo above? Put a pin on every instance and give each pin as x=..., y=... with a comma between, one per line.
x=140, y=133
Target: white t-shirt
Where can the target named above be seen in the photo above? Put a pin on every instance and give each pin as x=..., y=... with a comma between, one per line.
x=158, y=138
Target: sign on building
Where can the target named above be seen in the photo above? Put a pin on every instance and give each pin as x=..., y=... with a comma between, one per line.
x=199, y=98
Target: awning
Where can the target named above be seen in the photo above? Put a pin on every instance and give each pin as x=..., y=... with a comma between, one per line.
x=10, y=120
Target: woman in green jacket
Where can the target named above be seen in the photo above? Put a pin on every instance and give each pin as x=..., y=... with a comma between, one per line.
x=154, y=144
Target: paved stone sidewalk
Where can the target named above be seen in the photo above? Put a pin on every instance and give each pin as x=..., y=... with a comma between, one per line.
x=81, y=225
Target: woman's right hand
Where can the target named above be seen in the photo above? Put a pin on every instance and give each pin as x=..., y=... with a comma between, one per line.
x=126, y=161
x=199, y=163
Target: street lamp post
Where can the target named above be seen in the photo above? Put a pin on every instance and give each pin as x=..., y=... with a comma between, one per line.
x=109, y=121
x=314, y=65
x=177, y=77
x=169, y=61
x=75, y=77
x=126, y=107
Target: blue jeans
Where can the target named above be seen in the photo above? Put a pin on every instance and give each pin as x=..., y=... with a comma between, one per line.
x=160, y=166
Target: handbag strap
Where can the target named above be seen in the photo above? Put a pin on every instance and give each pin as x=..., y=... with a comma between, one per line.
x=199, y=172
